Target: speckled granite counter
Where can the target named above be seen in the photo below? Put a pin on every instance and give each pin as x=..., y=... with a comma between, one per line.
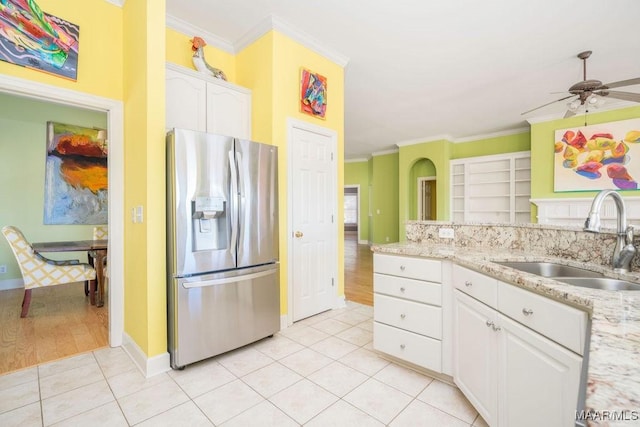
x=613, y=383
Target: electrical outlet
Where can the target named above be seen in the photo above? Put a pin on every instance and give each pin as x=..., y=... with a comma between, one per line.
x=3, y=269
x=445, y=233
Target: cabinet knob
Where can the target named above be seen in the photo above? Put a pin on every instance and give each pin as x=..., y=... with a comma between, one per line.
x=402, y=316
x=402, y=289
x=402, y=346
x=495, y=328
x=402, y=268
x=489, y=323
x=527, y=311
x=468, y=283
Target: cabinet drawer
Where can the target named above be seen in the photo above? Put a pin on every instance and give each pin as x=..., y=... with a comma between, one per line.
x=414, y=348
x=413, y=268
x=559, y=322
x=415, y=290
x=413, y=316
x=477, y=285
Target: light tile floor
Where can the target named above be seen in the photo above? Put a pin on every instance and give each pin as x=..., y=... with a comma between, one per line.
x=322, y=371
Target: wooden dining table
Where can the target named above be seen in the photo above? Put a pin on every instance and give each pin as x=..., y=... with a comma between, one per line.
x=98, y=249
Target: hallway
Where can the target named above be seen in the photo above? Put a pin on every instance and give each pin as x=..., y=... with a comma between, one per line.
x=358, y=270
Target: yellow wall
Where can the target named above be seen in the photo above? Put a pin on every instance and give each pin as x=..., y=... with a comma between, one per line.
x=270, y=67
x=144, y=87
x=99, y=53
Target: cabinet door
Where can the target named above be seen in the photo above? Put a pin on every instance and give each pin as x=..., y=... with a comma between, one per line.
x=228, y=111
x=538, y=379
x=475, y=354
x=186, y=100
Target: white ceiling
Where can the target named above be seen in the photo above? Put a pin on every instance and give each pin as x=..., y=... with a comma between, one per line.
x=424, y=69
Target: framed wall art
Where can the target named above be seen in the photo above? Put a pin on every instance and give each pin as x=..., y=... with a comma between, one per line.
x=598, y=157
x=35, y=39
x=313, y=93
x=76, y=179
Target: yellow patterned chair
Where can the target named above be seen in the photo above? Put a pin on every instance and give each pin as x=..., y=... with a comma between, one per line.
x=100, y=232
x=38, y=271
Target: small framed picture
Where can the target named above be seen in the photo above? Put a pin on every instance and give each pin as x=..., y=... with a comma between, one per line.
x=313, y=94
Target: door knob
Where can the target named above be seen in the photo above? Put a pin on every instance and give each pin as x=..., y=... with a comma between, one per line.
x=298, y=234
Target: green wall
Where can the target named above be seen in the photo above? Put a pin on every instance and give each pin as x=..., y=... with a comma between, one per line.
x=357, y=173
x=384, y=205
x=489, y=146
x=22, y=169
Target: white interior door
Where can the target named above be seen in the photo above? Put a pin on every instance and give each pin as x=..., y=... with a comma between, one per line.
x=313, y=229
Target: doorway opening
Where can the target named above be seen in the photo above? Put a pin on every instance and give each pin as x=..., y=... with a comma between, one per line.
x=426, y=198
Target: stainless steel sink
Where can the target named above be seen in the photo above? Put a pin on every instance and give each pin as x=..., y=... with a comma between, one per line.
x=601, y=283
x=549, y=269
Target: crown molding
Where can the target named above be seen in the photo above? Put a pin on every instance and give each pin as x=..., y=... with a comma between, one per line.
x=273, y=22
x=119, y=3
x=359, y=160
x=384, y=152
x=424, y=140
x=191, y=30
x=491, y=135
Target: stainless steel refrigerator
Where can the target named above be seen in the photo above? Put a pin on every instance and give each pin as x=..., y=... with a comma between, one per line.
x=223, y=288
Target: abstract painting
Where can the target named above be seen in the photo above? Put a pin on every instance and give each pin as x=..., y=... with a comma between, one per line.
x=598, y=157
x=34, y=39
x=76, y=181
x=313, y=94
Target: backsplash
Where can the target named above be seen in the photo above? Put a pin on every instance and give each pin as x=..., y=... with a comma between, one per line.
x=546, y=240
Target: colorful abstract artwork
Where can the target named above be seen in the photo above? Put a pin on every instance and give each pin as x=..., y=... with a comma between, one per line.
x=76, y=183
x=598, y=157
x=32, y=38
x=313, y=94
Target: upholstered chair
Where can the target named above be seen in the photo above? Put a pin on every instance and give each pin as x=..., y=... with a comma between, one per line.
x=38, y=271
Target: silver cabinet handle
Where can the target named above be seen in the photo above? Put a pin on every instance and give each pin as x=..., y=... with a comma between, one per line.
x=468, y=283
x=402, y=289
x=489, y=323
x=527, y=311
x=402, y=316
x=402, y=268
x=495, y=328
x=402, y=346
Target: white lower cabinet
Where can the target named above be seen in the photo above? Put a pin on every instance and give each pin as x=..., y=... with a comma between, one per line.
x=408, y=311
x=513, y=375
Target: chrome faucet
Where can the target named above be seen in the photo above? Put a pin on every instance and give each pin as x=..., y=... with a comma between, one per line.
x=624, y=251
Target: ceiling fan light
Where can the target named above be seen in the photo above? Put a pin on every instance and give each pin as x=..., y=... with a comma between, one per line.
x=573, y=105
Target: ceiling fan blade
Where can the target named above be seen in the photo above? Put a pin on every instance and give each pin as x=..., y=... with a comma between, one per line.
x=569, y=113
x=621, y=83
x=627, y=96
x=548, y=103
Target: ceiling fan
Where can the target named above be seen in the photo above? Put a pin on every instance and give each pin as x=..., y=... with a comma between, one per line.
x=589, y=91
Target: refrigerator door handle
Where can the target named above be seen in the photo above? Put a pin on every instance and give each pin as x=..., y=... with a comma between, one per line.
x=234, y=201
x=226, y=280
x=240, y=175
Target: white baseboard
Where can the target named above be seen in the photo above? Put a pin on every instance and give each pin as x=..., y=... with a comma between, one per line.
x=340, y=302
x=363, y=242
x=7, y=284
x=148, y=366
x=284, y=321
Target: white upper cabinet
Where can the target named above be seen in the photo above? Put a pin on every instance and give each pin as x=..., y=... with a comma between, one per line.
x=492, y=189
x=203, y=103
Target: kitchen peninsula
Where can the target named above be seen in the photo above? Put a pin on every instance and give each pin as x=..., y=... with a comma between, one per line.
x=610, y=386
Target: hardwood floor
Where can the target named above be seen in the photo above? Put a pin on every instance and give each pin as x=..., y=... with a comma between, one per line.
x=60, y=323
x=358, y=270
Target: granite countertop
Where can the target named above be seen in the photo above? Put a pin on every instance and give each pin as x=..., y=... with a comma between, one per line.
x=613, y=382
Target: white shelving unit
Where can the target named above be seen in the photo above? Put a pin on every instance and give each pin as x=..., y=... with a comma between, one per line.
x=491, y=188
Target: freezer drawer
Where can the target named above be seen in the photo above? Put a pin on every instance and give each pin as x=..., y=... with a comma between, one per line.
x=214, y=314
